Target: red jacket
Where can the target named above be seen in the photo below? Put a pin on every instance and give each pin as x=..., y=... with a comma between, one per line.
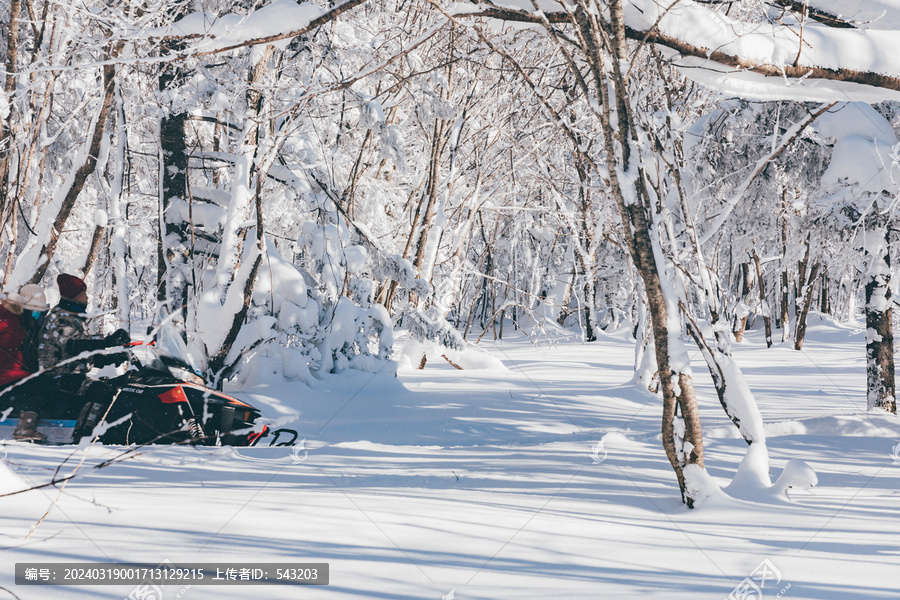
x=12, y=336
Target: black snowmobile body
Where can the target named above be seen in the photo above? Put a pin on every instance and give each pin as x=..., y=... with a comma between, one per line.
x=161, y=399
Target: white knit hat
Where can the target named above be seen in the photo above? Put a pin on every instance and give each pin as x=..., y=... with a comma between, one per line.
x=33, y=297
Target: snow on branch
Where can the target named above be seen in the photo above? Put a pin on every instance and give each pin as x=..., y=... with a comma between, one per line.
x=280, y=20
x=804, y=61
x=822, y=16
x=871, y=14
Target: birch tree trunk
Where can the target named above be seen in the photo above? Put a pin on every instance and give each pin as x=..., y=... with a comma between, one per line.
x=880, y=390
x=683, y=443
x=603, y=46
x=806, y=301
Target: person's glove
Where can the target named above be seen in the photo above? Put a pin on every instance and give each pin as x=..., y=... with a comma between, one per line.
x=101, y=360
x=119, y=337
x=78, y=346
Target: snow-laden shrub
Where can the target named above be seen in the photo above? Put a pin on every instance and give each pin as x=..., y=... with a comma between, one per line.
x=300, y=325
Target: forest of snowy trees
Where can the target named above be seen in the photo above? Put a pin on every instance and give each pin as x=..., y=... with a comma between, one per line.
x=295, y=182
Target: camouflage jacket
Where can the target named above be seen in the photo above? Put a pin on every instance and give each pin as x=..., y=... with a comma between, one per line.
x=59, y=326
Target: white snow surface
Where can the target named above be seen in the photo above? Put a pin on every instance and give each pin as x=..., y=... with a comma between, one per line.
x=543, y=479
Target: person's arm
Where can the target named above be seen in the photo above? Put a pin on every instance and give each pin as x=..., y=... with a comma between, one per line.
x=76, y=346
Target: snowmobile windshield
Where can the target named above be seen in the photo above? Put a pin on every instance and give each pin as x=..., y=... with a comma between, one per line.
x=170, y=344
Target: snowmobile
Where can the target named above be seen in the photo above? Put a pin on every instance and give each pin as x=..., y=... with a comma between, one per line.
x=161, y=399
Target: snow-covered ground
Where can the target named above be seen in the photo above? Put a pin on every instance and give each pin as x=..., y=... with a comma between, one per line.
x=493, y=484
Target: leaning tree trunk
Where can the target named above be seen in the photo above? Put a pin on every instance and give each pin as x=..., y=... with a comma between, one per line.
x=603, y=47
x=683, y=442
x=806, y=278
x=731, y=388
x=880, y=391
x=94, y=250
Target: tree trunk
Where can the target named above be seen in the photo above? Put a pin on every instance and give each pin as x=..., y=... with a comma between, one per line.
x=740, y=321
x=603, y=47
x=805, y=300
x=763, y=303
x=785, y=277
x=799, y=287
x=99, y=230
x=590, y=307
x=567, y=297
x=683, y=444
x=173, y=247
x=731, y=388
x=880, y=390
x=173, y=166
x=430, y=197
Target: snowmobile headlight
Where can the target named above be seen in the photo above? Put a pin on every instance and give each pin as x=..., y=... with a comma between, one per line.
x=186, y=375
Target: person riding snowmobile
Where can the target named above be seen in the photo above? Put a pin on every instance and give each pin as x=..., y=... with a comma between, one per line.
x=15, y=313
x=63, y=335
x=33, y=319
x=16, y=324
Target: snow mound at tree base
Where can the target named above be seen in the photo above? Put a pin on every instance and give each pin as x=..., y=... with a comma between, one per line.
x=751, y=483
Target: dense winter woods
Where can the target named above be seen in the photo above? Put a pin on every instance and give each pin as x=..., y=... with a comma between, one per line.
x=293, y=182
